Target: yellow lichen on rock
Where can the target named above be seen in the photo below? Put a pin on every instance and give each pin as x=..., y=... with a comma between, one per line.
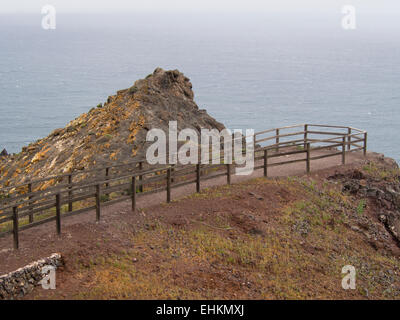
x=134, y=129
x=47, y=184
x=113, y=156
x=40, y=155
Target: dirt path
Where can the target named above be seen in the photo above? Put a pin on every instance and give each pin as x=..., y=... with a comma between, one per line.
x=277, y=171
x=42, y=240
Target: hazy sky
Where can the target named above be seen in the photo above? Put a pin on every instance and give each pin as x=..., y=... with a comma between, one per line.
x=228, y=6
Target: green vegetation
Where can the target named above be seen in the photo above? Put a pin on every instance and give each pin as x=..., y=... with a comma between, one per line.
x=108, y=136
x=361, y=206
x=382, y=173
x=133, y=90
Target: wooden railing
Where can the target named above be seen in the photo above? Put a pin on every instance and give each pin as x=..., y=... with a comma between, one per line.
x=27, y=207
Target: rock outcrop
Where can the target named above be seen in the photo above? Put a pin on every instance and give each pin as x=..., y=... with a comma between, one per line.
x=111, y=133
x=378, y=187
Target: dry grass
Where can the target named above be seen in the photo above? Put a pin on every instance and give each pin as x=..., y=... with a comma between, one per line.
x=285, y=238
x=298, y=255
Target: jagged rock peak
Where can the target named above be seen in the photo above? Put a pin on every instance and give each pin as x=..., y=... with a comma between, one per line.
x=112, y=132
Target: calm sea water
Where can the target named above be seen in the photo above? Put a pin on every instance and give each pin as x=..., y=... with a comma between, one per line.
x=248, y=71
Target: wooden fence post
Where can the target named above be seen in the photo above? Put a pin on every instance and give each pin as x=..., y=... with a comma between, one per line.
x=198, y=174
x=15, y=227
x=228, y=173
x=98, y=202
x=172, y=173
x=305, y=135
x=169, y=185
x=107, y=174
x=277, y=140
x=344, y=150
x=141, y=177
x=308, y=158
x=70, y=193
x=58, y=213
x=349, y=139
x=266, y=163
x=133, y=195
x=30, y=203
x=365, y=144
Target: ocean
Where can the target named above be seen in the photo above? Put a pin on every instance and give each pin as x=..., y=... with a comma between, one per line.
x=248, y=71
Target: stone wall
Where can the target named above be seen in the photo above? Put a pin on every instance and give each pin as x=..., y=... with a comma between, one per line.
x=18, y=283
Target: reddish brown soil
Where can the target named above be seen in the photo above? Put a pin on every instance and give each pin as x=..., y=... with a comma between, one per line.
x=82, y=231
x=252, y=209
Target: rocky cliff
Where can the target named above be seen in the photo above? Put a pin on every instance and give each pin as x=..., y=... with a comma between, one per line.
x=111, y=133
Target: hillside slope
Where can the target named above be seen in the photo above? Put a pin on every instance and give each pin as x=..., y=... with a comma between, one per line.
x=111, y=133
x=282, y=238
